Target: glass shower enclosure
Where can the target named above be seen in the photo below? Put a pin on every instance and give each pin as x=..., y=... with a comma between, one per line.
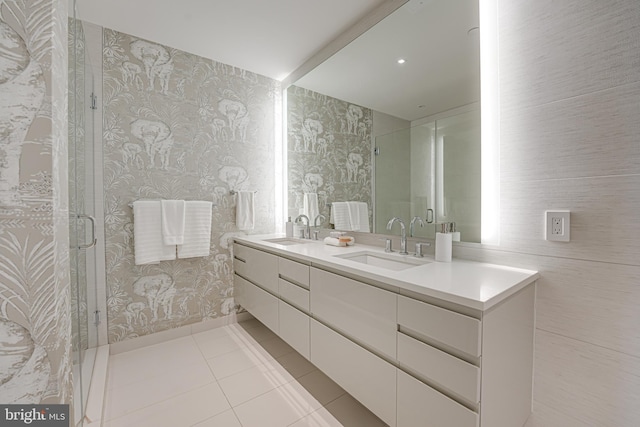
x=432, y=171
x=82, y=226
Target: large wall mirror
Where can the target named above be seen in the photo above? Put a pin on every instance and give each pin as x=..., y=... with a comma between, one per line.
x=395, y=138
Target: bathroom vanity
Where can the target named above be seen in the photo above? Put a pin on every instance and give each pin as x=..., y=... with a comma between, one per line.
x=419, y=343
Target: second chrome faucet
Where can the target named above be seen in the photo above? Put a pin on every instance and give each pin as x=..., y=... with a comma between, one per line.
x=403, y=234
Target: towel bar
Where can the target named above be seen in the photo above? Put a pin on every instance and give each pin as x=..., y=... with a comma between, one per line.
x=130, y=204
x=232, y=192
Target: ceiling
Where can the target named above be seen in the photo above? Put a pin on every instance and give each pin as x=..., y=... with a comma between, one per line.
x=268, y=37
x=275, y=37
x=442, y=69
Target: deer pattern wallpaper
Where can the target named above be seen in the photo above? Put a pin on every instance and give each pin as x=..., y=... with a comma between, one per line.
x=178, y=126
x=329, y=150
x=35, y=323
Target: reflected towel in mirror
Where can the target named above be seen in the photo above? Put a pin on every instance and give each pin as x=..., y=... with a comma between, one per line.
x=310, y=206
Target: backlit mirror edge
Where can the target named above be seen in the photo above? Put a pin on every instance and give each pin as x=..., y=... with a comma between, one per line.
x=490, y=123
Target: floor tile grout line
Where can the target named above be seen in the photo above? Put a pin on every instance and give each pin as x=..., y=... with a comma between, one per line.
x=128, y=384
x=322, y=407
x=138, y=409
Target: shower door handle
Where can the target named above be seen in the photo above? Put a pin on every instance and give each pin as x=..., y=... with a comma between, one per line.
x=429, y=218
x=94, y=241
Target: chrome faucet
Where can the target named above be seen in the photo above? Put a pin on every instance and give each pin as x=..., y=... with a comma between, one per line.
x=322, y=219
x=413, y=221
x=306, y=234
x=403, y=234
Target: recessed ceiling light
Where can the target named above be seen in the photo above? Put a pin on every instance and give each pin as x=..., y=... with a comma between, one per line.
x=401, y=61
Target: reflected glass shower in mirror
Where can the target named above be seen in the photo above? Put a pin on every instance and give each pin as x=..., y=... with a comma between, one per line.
x=432, y=171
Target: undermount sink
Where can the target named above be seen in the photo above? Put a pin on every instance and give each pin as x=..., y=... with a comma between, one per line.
x=286, y=241
x=389, y=262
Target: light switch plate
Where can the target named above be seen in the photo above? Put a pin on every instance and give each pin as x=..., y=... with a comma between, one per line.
x=557, y=226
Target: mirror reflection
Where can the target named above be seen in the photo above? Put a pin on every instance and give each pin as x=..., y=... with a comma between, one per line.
x=431, y=171
x=422, y=115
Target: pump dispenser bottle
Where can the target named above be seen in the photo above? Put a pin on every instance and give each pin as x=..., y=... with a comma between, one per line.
x=289, y=228
x=443, y=243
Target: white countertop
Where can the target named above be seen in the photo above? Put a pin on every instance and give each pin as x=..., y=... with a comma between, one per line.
x=473, y=284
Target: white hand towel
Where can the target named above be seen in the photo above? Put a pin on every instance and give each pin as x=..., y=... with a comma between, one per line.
x=310, y=206
x=172, y=222
x=363, y=216
x=245, y=212
x=354, y=215
x=149, y=247
x=340, y=216
x=197, y=230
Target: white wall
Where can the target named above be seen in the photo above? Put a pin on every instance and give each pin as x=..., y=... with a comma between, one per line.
x=570, y=139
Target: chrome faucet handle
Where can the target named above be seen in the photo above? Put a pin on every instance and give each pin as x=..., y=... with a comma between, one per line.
x=315, y=234
x=419, y=246
x=388, y=245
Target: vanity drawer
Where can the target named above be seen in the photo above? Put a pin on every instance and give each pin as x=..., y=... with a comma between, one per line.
x=443, y=369
x=260, y=303
x=256, y=266
x=294, y=295
x=294, y=272
x=360, y=311
x=445, y=326
x=420, y=405
x=365, y=376
x=294, y=328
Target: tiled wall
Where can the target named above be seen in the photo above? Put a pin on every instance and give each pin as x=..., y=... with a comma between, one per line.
x=329, y=150
x=35, y=326
x=178, y=126
x=570, y=139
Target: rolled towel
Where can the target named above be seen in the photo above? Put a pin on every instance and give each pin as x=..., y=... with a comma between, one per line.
x=348, y=240
x=336, y=234
x=333, y=241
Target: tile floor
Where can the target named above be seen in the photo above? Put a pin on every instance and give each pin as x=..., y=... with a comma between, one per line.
x=241, y=375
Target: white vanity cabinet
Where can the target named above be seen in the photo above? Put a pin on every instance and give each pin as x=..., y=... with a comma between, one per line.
x=256, y=284
x=257, y=266
x=293, y=308
x=365, y=376
x=411, y=358
x=363, y=313
x=275, y=290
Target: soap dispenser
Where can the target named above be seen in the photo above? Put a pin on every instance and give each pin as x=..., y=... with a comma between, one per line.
x=443, y=242
x=289, y=228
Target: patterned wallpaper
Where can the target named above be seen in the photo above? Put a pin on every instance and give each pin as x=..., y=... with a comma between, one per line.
x=178, y=126
x=35, y=320
x=329, y=150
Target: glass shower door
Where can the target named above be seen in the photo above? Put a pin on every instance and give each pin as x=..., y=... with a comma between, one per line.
x=81, y=222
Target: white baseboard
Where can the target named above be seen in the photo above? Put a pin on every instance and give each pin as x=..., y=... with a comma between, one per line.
x=182, y=331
